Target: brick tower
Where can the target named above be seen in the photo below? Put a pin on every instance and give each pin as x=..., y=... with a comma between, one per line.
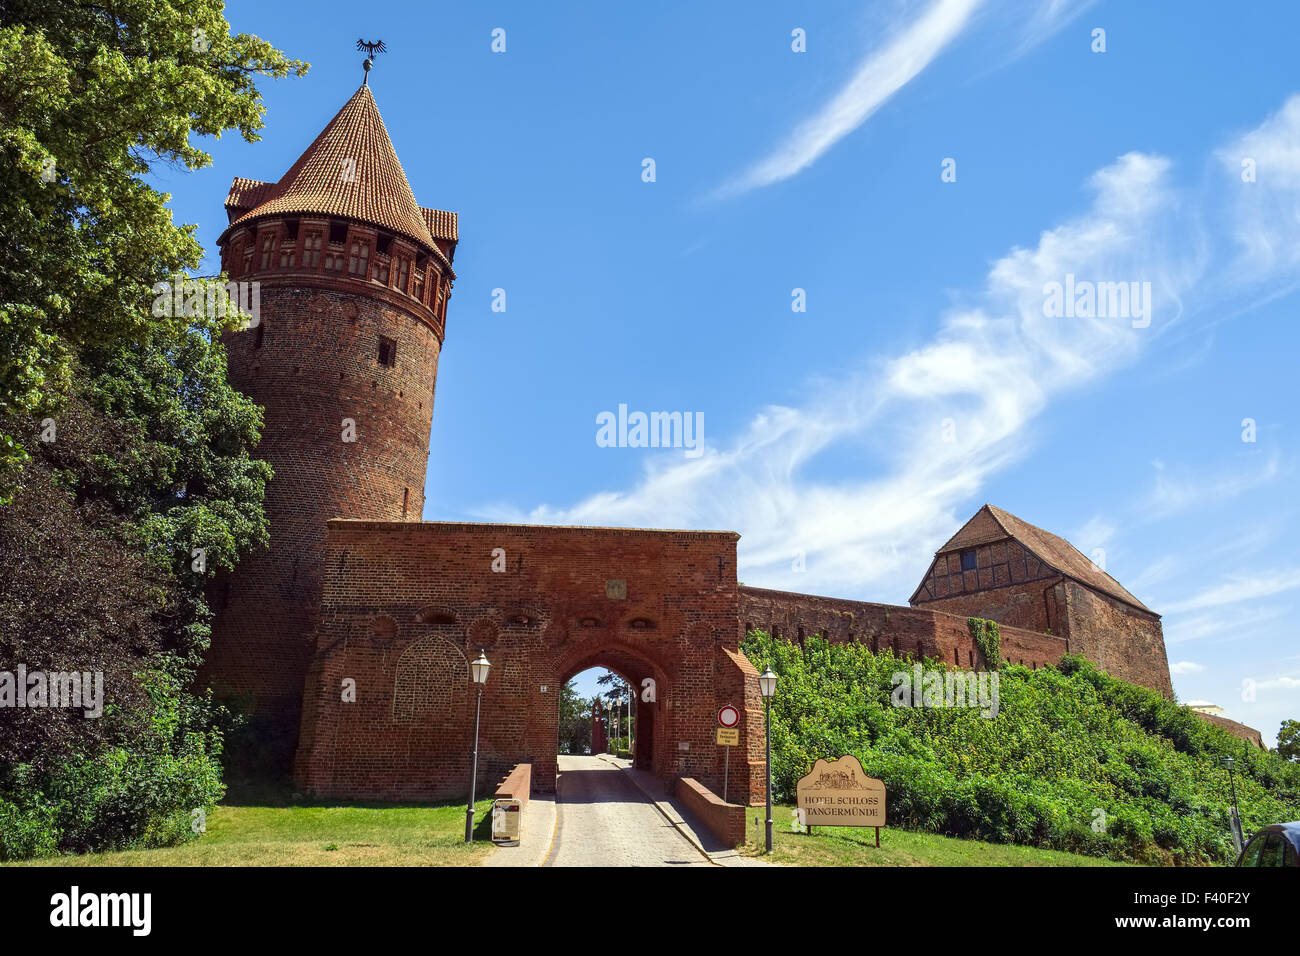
x=355, y=278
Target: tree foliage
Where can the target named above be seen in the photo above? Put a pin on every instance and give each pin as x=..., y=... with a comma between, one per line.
x=92, y=97
x=124, y=453
x=1066, y=743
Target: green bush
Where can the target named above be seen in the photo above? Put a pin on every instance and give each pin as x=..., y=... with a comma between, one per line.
x=1074, y=760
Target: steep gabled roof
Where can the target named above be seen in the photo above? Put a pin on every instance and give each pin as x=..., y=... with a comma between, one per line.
x=993, y=524
x=350, y=170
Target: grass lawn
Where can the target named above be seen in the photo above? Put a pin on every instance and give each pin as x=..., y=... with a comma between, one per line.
x=856, y=846
x=318, y=835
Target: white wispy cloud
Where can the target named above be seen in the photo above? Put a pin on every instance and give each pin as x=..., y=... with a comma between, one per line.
x=1238, y=587
x=912, y=43
x=993, y=366
x=1246, y=623
x=884, y=71
x=1175, y=492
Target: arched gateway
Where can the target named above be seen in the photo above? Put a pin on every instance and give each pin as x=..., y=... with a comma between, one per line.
x=405, y=603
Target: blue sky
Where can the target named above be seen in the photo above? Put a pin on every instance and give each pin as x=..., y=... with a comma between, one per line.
x=821, y=170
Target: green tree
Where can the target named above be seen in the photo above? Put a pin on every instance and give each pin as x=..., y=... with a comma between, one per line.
x=575, y=721
x=124, y=453
x=1288, y=740
x=92, y=97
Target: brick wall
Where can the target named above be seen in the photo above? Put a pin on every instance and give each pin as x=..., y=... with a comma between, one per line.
x=517, y=785
x=726, y=821
x=1248, y=734
x=1123, y=641
x=313, y=362
x=906, y=631
x=406, y=604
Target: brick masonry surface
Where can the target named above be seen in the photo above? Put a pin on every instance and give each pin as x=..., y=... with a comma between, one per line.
x=314, y=363
x=406, y=605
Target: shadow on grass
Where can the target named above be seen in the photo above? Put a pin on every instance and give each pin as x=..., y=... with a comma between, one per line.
x=280, y=793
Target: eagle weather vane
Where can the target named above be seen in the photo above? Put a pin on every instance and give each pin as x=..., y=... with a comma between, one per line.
x=370, y=49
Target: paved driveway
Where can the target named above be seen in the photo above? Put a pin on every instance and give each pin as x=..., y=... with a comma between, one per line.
x=605, y=820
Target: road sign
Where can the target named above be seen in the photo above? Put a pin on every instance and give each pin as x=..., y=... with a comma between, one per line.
x=728, y=736
x=728, y=716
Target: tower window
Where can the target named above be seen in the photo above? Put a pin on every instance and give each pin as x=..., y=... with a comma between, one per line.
x=311, y=250
x=381, y=271
x=387, y=352
x=403, y=269
x=406, y=497
x=418, y=289
x=257, y=334
x=359, y=261
x=268, y=246
x=338, y=233
x=286, y=256
x=968, y=560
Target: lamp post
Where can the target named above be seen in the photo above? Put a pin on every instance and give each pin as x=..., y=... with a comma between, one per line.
x=479, y=669
x=767, y=687
x=1238, y=835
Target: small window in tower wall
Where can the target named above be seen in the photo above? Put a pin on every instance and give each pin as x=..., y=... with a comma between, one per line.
x=968, y=560
x=406, y=497
x=418, y=289
x=257, y=335
x=268, y=246
x=381, y=271
x=311, y=251
x=286, y=257
x=387, y=352
x=403, y=269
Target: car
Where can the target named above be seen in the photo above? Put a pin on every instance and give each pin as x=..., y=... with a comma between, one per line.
x=1275, y=845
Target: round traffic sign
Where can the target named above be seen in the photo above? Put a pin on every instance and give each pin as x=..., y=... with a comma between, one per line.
x=728, y=716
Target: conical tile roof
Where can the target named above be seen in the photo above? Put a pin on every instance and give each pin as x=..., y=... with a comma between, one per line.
x=350, y=170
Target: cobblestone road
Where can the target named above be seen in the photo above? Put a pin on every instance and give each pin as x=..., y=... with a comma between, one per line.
x=604, y=820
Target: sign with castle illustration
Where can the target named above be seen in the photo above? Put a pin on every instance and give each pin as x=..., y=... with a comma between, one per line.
x=837, y=793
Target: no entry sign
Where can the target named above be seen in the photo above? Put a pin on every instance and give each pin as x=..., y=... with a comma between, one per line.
x=728, y=716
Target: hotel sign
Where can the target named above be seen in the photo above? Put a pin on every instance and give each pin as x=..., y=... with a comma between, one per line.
x=837, y=793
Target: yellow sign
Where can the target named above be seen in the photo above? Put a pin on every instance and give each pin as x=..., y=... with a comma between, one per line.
x=728, y=736
x=837, y=793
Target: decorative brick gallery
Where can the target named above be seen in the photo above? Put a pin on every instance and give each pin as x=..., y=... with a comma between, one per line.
x=357, y=592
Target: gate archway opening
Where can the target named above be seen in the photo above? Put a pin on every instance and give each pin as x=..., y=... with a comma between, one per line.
x=647, y=689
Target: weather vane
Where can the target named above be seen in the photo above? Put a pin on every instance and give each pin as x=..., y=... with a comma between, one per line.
x=371, y=49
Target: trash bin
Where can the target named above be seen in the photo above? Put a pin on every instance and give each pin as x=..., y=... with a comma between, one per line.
x=507, y=822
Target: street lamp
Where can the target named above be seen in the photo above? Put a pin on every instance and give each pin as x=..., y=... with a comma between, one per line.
x=1239, y=836
x=479, y=669
x=767, y=687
